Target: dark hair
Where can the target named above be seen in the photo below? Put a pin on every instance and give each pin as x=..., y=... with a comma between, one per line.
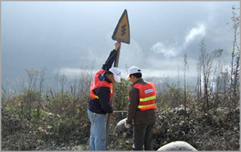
x=108, y=72
x=137, y=75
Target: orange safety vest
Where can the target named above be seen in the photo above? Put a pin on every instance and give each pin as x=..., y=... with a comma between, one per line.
x=147, y=95
x=96, y=83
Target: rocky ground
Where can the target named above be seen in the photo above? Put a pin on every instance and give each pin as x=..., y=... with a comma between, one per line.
x=214, y=130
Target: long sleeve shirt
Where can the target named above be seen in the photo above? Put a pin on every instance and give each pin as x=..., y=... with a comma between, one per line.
x=135, y=114
x=103, y=104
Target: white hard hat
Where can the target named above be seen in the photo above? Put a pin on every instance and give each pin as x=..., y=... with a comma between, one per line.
x=117, y=73
x=133, y=70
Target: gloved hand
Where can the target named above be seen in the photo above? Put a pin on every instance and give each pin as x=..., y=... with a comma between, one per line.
x=127, y=125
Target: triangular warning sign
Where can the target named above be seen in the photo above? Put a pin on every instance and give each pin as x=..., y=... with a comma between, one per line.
x=122, y=30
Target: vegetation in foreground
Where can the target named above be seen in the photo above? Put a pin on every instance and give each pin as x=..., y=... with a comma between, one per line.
x=60, y=122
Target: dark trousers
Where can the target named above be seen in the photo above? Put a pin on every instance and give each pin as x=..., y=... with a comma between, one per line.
x=143, y=136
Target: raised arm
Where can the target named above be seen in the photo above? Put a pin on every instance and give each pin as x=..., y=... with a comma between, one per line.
x=112, y=57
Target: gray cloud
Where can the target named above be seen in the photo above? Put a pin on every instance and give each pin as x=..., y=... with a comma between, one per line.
x=72, y=35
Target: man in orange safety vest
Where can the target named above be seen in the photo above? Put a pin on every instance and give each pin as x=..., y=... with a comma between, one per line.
x=101, y=92
x=141, y=109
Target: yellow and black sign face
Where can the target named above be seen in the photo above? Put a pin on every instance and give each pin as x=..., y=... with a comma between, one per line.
x=122, y=30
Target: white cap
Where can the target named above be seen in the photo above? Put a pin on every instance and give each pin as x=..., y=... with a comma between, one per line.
x=117, y=74
x=133, y=70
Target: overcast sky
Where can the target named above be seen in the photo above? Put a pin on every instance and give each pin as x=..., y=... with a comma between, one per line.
x=69, y=36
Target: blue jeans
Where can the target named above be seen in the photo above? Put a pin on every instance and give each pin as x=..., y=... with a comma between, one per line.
x=97, y=131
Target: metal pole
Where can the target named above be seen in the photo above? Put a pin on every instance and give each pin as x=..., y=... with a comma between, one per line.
x=116, y=63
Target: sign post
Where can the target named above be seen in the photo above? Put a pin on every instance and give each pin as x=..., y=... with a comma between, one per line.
x=121, y=34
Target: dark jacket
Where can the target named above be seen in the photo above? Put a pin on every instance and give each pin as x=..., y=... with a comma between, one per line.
x=139, y=117
x=103, y=104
